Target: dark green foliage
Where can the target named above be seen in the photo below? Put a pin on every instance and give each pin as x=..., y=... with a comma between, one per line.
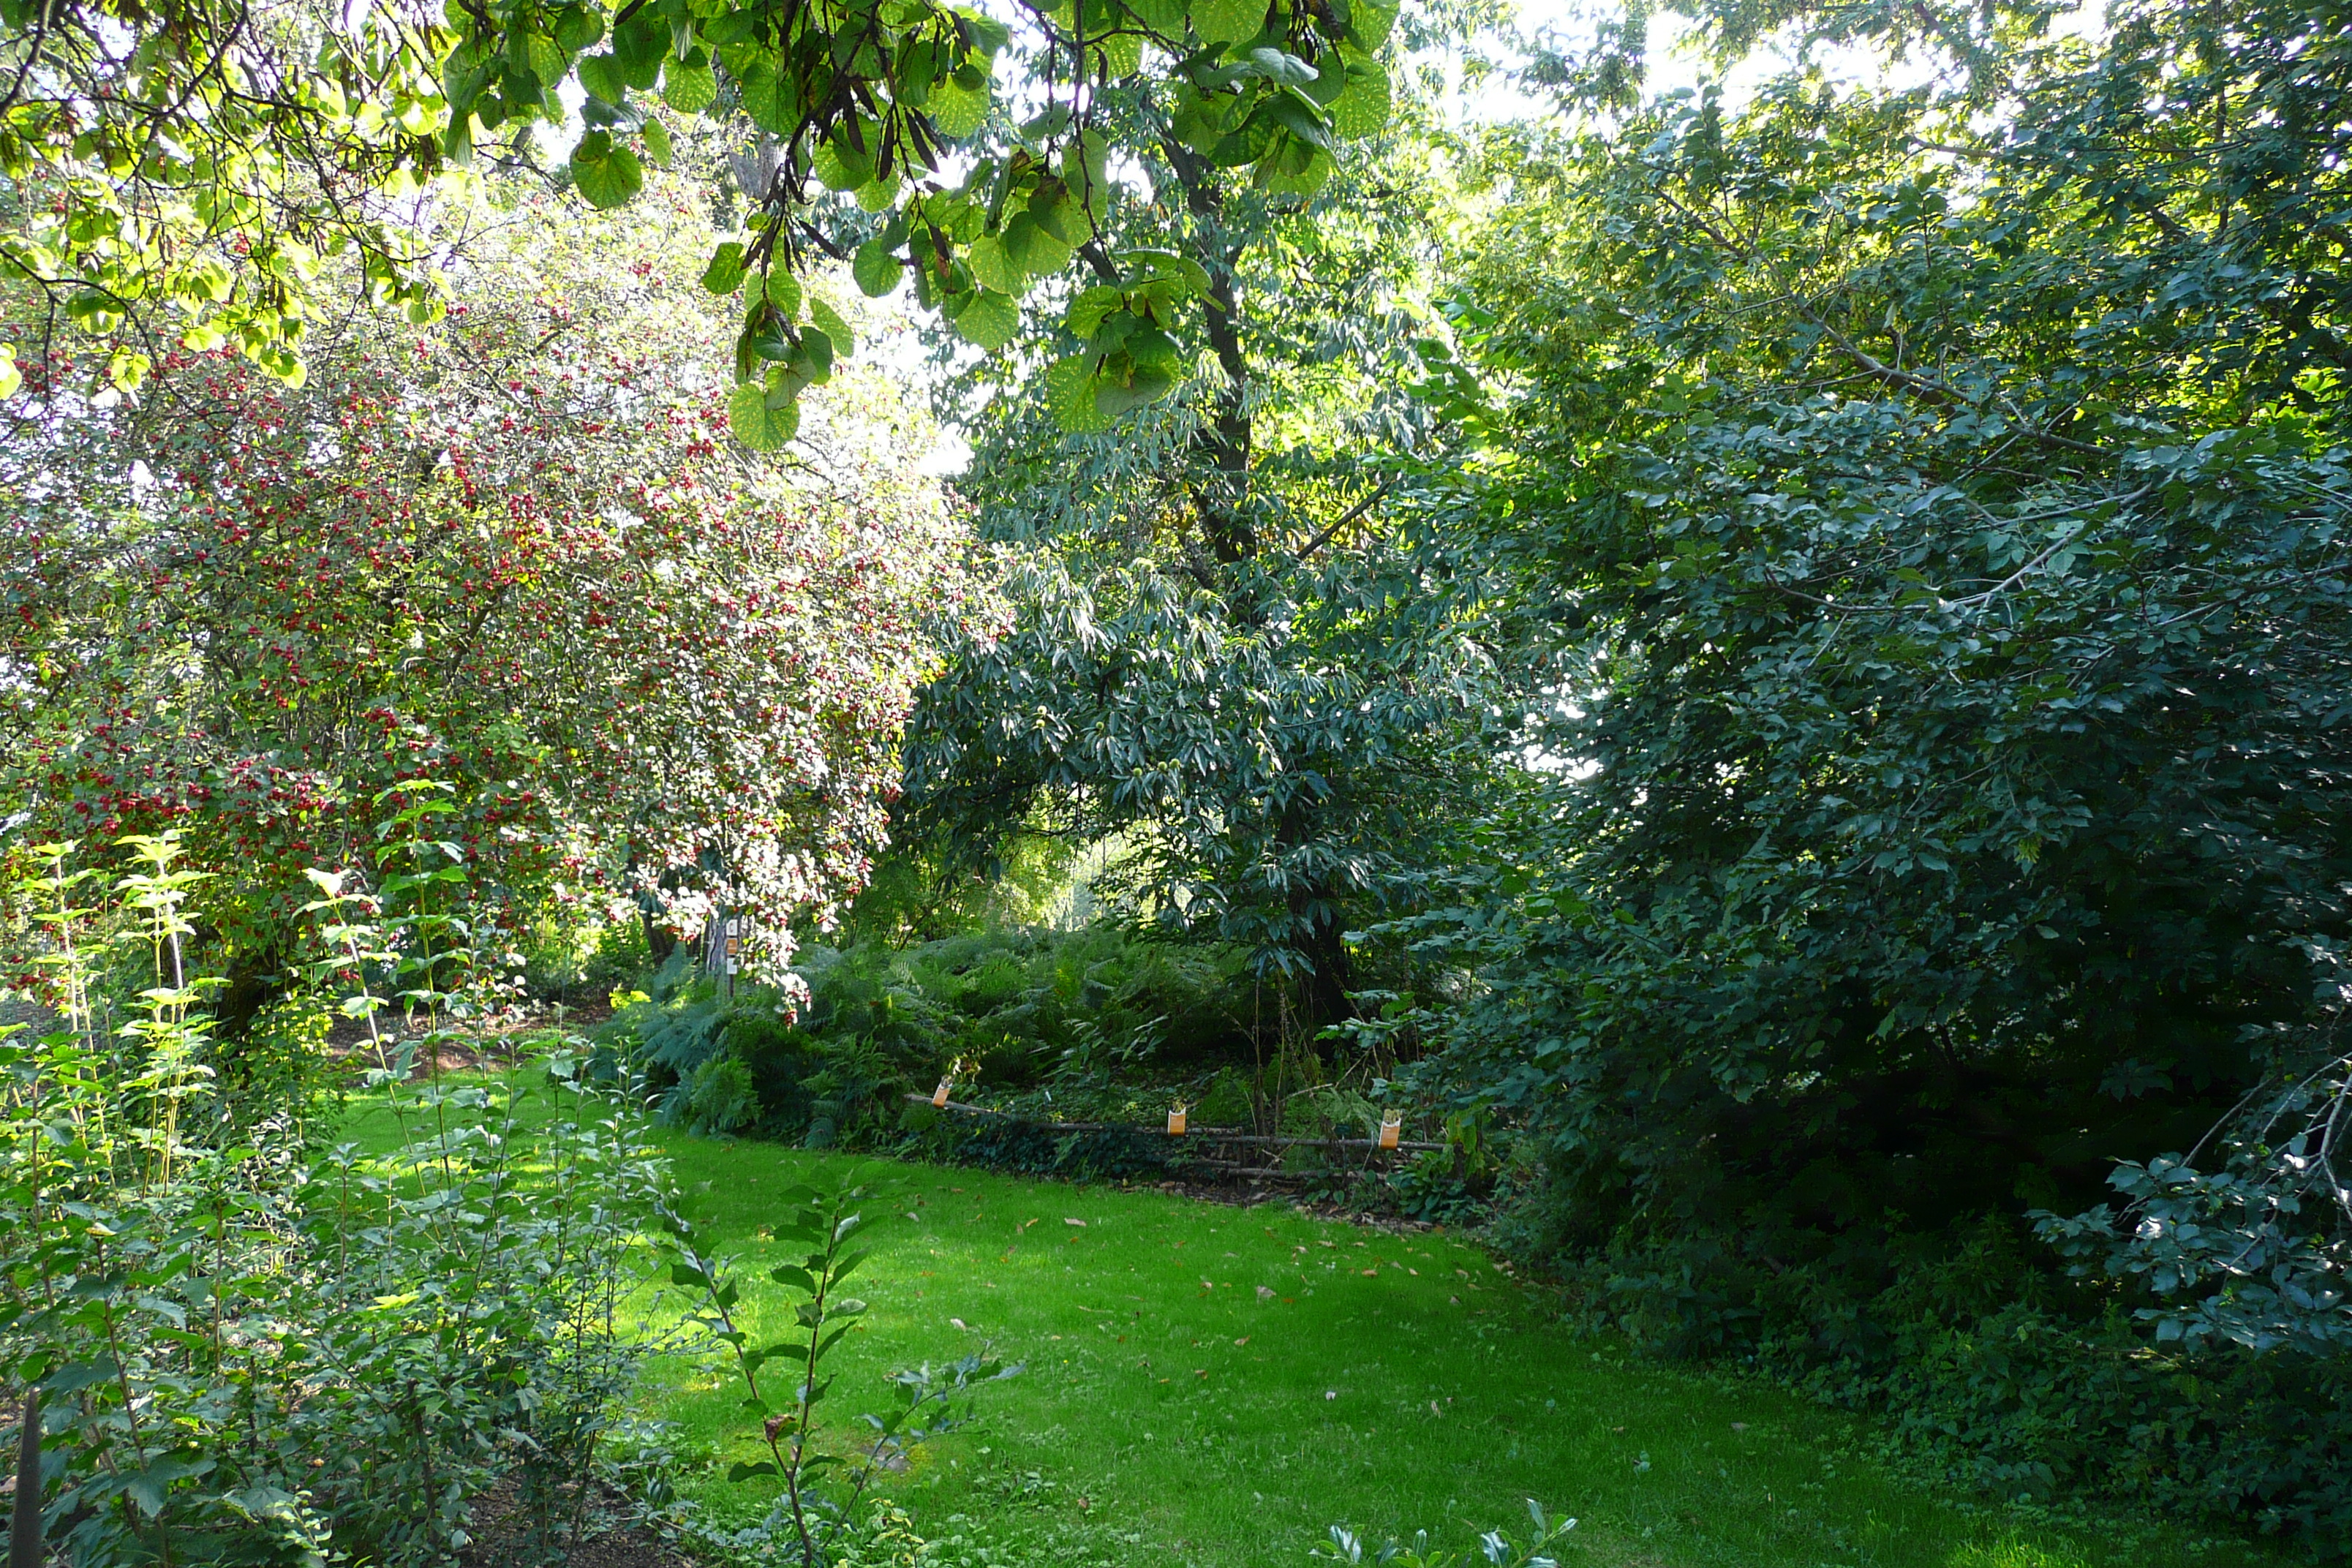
x=1006, y=1008
x=1945, y=519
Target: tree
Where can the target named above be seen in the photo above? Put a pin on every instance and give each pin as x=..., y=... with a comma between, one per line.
x=173, y=178
x=1231, y=640
x=513, y=553
x=1944, y=495
x=192, y=162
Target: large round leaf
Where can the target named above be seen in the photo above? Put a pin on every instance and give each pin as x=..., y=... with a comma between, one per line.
x=828, y=321
x=1034, y=249
x=601, y=75
x=725, y=273
x=656, y=139
x=1070, y=395
x=607, y=175
x=689, y=89
x=546, y=59
x=957, y=111
x=1228, y=21
x=1362, y=109
x=757, y=423
x=994, y=266
x=878, y=271
x=990, y=320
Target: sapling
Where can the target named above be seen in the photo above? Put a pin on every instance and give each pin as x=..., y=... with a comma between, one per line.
x=1495, y=1549
x=789, y=1425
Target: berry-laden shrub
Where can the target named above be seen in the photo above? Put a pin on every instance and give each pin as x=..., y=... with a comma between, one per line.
x=515, y=550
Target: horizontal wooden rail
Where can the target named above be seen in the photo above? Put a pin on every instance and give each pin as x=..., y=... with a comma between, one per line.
x=1196, y=1134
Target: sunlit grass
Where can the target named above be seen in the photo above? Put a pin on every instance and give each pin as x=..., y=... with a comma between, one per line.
x=1215, y=1385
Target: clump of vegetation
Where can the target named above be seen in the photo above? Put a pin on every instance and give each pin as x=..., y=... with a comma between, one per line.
x=246, y=1347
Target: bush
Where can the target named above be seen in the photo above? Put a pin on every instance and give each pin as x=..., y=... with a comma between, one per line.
x=1994, y=1373
x=247, y=1355
x=1013, y=1008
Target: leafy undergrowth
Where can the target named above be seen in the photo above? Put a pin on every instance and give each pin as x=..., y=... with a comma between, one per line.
x=1213, y=1386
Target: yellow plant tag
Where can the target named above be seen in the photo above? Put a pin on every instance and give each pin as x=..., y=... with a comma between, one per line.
x=1391, y=1124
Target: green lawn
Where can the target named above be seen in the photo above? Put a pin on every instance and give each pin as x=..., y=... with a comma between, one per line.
x=1213, y=1386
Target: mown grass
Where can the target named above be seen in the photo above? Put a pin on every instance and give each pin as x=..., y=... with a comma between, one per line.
x=1215, y=1386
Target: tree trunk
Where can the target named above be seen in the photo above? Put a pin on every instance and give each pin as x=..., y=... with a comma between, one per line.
x=24, y=1521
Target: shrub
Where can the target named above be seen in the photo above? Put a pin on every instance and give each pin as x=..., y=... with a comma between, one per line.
x=720, y=1096
x=248, y=1356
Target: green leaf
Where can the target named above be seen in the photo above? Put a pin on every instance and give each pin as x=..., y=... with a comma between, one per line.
x=757, y=423
x=1169, y=264
x=876, y=270
x=1069, y=387
x=828, y=321
x=1363, y=109
x=841, y=167
x=601, y=75
x=657, y=146
x=1228, y=21
x=783, y=291
x=1279, y=65
x=1301, y=116
x=1372, y=20
x=75, y=1376
x=1296, y=176
x=793, y=1274
x=992, y=264
x=743, y=1472
x=1149, y=384
x=689, y=89
x=577, y=28
x=770, y=101
x=957, y=111
x=1086, y=313
x=988, y=319
x=1036, y=252
x=607, y=175
x=1121, y=55
x=546, y=59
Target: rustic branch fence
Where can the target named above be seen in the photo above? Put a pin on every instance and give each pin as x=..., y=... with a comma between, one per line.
x=1217, y=1138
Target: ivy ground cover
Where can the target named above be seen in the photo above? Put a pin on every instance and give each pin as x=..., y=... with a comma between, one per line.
x=1213, y=1386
